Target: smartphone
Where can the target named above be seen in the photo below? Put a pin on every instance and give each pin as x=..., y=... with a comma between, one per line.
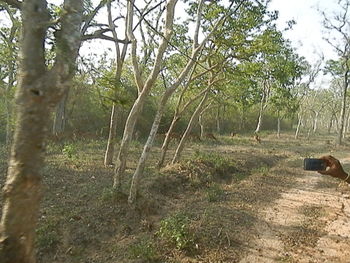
x=313, y=164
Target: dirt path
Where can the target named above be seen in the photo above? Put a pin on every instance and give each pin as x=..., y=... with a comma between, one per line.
x=309, y=223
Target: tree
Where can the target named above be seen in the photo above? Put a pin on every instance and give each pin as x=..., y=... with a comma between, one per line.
x=120, y=53
x=8, y=67
x=181, y=108
x=339, y=26
x=39, y=88
x=196, y=48
x=144, y=86
x=302, y=90
x=288, y=70
x=60, y=118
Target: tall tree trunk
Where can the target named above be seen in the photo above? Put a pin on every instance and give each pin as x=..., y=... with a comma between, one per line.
x=144, y=88
x=218, y=126
x=343, y=109
x=196, y=47
x=330, y=124
x=260, y=117
x=176, y=118
x=314, y=129
x=278, y=127
x=263, y=105
x=120, y=58
x=347, y=124
x=166, y=141
x=300, y=119
x=169, y=91
x=59, y=121
x=111, y=136
x=201, y=121
x=147, y=147
x=258, y=126
x=201, y=126
x=38, y=90
x=194, y=116
x=127, y=137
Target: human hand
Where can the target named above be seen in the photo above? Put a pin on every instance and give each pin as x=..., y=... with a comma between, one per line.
x=334, y=167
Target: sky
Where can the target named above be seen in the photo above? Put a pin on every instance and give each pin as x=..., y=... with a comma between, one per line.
x=307, y=35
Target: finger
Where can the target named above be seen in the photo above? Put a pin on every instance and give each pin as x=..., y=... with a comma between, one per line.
x=333, y=158
x=327, y=159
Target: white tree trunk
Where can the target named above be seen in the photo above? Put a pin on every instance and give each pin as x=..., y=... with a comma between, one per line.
x=201, y=126
x=108, y=160
x=194, y=116
x=218, y=126
x=167, y=94
x=144, y=89
x=258, y=126
x=147, y=147
x=176, y=118
x=263, y=105
x=278, y=127
x=120, y=57
x=343, y=111
x=296, y=136
x=315, y=122
x=59, y=121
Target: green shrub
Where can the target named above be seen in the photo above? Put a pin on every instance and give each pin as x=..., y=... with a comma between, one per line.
x=217, y=160
x=214, y=193
x=175, y=230
x=144, y=250
x=70, y=151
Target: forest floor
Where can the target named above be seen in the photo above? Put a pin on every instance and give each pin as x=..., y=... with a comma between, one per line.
x=228, y=201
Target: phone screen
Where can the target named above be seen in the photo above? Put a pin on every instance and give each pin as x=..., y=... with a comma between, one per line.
x=313, y=164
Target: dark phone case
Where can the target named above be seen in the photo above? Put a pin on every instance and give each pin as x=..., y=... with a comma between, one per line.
x=313, y=164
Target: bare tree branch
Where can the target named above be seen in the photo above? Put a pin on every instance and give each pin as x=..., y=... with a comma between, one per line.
x=89, y=17
x=99, y=34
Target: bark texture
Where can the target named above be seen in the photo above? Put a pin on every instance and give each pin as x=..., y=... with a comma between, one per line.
x=38, y=91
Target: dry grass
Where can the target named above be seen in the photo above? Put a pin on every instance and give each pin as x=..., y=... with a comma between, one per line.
x=217, y=187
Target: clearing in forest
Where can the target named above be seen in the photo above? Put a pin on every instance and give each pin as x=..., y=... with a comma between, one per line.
x=231, y=200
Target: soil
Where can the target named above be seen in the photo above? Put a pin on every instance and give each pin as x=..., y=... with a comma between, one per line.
x=234, y=200
x=308, y=223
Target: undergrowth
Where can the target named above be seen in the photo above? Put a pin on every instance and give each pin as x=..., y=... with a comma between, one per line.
x=175, y=230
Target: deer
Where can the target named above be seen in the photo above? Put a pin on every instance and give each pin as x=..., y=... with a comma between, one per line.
x=233, y=134
x=210, y=136
x=194, y=137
